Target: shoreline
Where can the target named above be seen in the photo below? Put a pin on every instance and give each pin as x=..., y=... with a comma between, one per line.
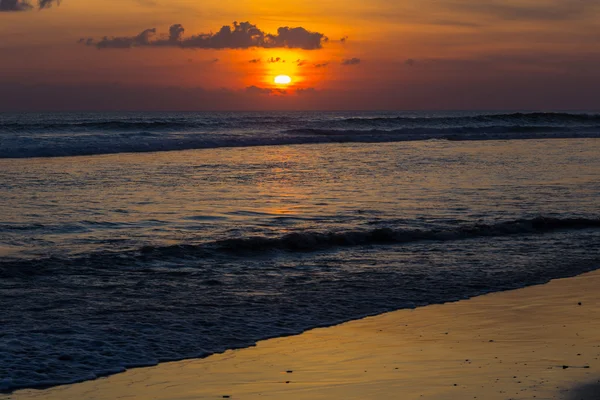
x=512, y=344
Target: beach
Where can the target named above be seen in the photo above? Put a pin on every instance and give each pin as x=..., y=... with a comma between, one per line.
x=538, y=342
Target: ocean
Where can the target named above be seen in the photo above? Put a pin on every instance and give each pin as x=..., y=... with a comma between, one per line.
x=129, y=239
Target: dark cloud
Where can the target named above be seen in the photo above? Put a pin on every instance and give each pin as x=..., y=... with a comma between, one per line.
x=297, y=38
x=410, y=62
x=176, y=32
x=241, y=35
x=351, y=61
x=275, y=60
x=321, y=65
x=47, y=3
x=300, y=63
x=24, y=5
x=255, y=61
x=255, y=90
x=143, y=39
x=14, y=5
x=344, y=39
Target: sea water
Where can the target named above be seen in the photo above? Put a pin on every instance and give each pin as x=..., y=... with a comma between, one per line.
x=134, y=238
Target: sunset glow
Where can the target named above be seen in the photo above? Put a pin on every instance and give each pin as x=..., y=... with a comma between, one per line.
x=375, y=55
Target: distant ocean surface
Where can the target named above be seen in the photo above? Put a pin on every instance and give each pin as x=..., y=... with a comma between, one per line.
x=58, y=135
x=128, y=239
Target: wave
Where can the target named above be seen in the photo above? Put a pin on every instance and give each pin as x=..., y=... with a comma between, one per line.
x=472, y=132
x=310, y=241
x=305, y=241
x=103, y=313
x=143, y=142
x=83, y=135
x=150, y=123
x=241, y=122
x=103, y=126
x=517, y=118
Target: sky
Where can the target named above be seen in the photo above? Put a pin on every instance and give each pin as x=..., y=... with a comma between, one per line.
x=340, y=55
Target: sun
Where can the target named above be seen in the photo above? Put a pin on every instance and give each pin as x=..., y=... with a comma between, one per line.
x=282, y=80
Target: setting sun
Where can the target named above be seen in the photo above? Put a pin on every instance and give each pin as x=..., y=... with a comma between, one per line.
x=283, y=80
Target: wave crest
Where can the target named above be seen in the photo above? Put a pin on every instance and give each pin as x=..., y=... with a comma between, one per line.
x=310, y=241
x=517, y=118
x=27, y=137
x=304, y=241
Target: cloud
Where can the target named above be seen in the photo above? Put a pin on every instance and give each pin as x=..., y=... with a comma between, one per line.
x=242, y=35
x=255, y=61
x=14, y=5
x=143, y=39
x=255, y=90
x=297, y=38
x=344, y=39
x=321, y=65
x=47, y=3
x=24, y=5
x=88, y=42
x=410, y=62
x=275, y=60
x=176, y=32
x=351, y=61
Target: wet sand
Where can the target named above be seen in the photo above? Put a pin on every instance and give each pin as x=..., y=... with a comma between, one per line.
x=541, y=342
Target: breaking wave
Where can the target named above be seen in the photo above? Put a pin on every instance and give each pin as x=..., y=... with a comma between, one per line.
x=185, y=124
x=304, y=241
x=143, y=142
x=103, y=313
x=76, y=135
x=311, y=241
x=517, y=118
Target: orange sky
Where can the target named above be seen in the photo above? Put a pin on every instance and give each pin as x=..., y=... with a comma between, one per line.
x=412, y=54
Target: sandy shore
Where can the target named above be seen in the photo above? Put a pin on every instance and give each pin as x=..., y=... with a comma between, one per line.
x=540, y=342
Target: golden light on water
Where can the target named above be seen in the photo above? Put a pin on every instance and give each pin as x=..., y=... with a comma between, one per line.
x=282, y=80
